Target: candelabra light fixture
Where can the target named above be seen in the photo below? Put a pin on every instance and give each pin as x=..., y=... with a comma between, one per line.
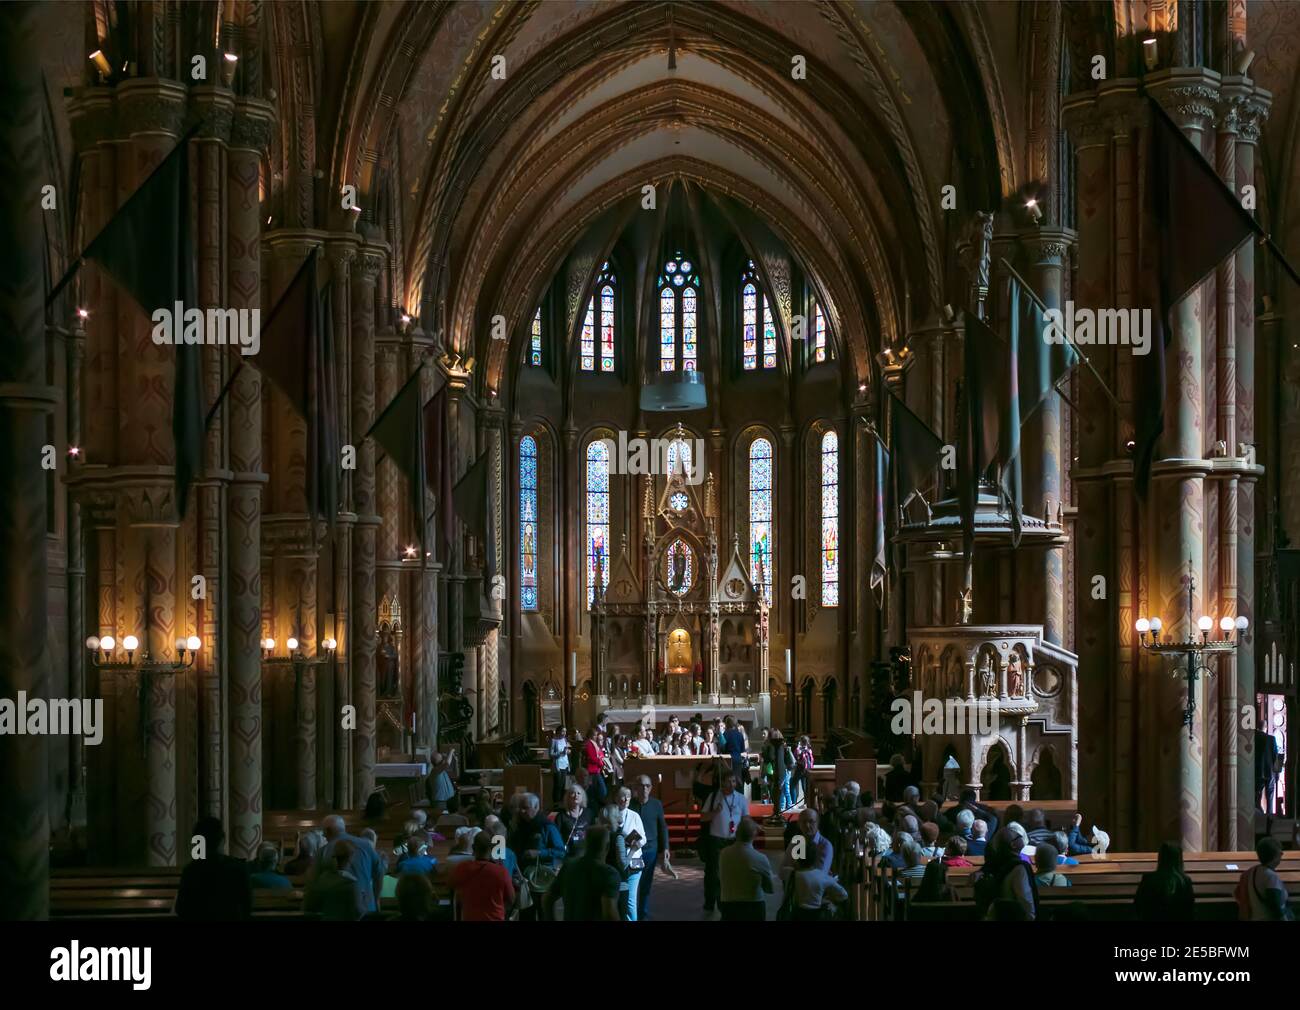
x=1192, y=654
x=106, y=656
x=298, y=661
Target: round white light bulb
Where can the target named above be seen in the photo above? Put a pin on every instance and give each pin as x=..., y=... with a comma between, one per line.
x=1143, y=625
x=107, y=643
x=292, y=644
x=331, y=644
x=1205, y=623
x=130, y=643
x=1242, y=623
x=92, y=643
x=1225, y=623
x=1156, y=625
x=193, y=643
x=268, y=644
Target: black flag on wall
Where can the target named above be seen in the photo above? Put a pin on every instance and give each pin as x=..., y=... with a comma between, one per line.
x=147, y=249
x=1190, y=222
x=399, y=430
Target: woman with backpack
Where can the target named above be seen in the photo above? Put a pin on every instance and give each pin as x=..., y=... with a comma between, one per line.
x=780, y=758
x=803, y=764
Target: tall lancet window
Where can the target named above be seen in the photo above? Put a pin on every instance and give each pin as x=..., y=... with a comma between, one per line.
x=535, y=339
x=678, y=460
x=760, y=516
x=598, y=325
x=679, y=289
x=819, y=333
x=830, y=520
x=757, y=324
x=597, y=515
x=528, y=531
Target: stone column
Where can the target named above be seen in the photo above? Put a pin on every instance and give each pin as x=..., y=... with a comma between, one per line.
x=250, y=133
x=25, y=403
x=1049, y=250
x=389, y=546
x=364, y=606
x=1253, y=110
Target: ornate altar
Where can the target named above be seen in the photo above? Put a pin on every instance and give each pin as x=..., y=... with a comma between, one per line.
x=691, y=634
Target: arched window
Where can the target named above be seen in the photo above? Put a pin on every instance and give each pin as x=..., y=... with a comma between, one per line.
x=597, y=515
x=819, y=333
x=757, y=324
x=760, y=516
x=678, y=314
x=598, y=324
x=535, y=343
x=528, y=532
x=830, y=519
x=678, y=458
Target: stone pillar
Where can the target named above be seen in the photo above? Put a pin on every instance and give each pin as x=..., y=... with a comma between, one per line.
x=250, y=133
x=1049, y=249
x=365, y=607
x=1251, y=114
x=389, y=546
x=25, y=403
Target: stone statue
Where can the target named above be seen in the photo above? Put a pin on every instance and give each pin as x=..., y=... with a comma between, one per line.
x=1015, y=676
x=982, y=239
x=988, y=682
x=965, y=605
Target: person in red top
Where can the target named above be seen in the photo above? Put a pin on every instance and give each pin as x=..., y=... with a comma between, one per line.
x=955, y=853
x=593, y=759
x=483, y=886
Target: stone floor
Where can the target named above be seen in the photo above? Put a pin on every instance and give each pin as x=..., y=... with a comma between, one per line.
x=682, y=900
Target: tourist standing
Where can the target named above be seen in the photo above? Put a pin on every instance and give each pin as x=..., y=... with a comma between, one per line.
x=745, y=877
x=654, y=852
x=721, y=812
x=559, y=751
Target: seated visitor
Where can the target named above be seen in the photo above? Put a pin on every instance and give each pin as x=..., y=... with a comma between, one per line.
x=1061, y=842
x=1261, y=894
x=462, y=846
x=415, y=901
x=217, y=886
x=967, y=801
x=954, y=854
x=310, y=844
x=265, y=876
x=930, y=847
x=1166, y=894
x=416, y=858
x=811, y=892
x=484, y=892
x=1079, y=843
x=978, y=838
x=1046, y=874
x=1037, y=827
x=913, y=862
x=934, y=883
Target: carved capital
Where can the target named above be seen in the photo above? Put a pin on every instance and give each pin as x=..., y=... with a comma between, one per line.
x=216, y=111
x=251, y=127
x=150, y=105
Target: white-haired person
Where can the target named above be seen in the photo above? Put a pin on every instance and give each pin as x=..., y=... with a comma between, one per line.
x=627, y=824
x=309, y=845
x=573, y=818
x=366, y=865
x=462, y=846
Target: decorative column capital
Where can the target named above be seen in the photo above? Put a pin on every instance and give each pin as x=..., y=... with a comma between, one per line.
x=1189, y=94
x=370, y=262
x=1050, y=246
x=251, y=127
x=150, y=105
x=215, y=107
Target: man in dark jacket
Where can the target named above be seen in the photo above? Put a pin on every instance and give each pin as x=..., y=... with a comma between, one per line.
x=214, y=886
x=654, y=851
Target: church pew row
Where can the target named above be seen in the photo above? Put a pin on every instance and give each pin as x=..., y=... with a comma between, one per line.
x=892, y=893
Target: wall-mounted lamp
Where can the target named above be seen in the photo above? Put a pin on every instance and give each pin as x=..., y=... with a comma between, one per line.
x=104, y=656
x=1151, y=52
x=229, y=63
x=101, y=64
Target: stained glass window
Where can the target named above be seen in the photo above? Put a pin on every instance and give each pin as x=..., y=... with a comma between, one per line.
x=679, y=456
x=755, y=325
x=535, y=350
x=688, y=330
x=769, y=336
x=679, y=582
x=678, y=501
x=599, y=324
x=819, y=333
x=588, y=346
x=597, y=515
x=678, y=313
x=667, y=330
x=528, y=531
x=607, y=328
x=749, y=325
x=760, y=516
x=830, y=520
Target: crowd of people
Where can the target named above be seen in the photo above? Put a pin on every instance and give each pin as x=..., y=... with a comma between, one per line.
x=596, y=760
x=594, y=855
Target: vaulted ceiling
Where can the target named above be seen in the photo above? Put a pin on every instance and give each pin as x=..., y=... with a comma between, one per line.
x=496, y=174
